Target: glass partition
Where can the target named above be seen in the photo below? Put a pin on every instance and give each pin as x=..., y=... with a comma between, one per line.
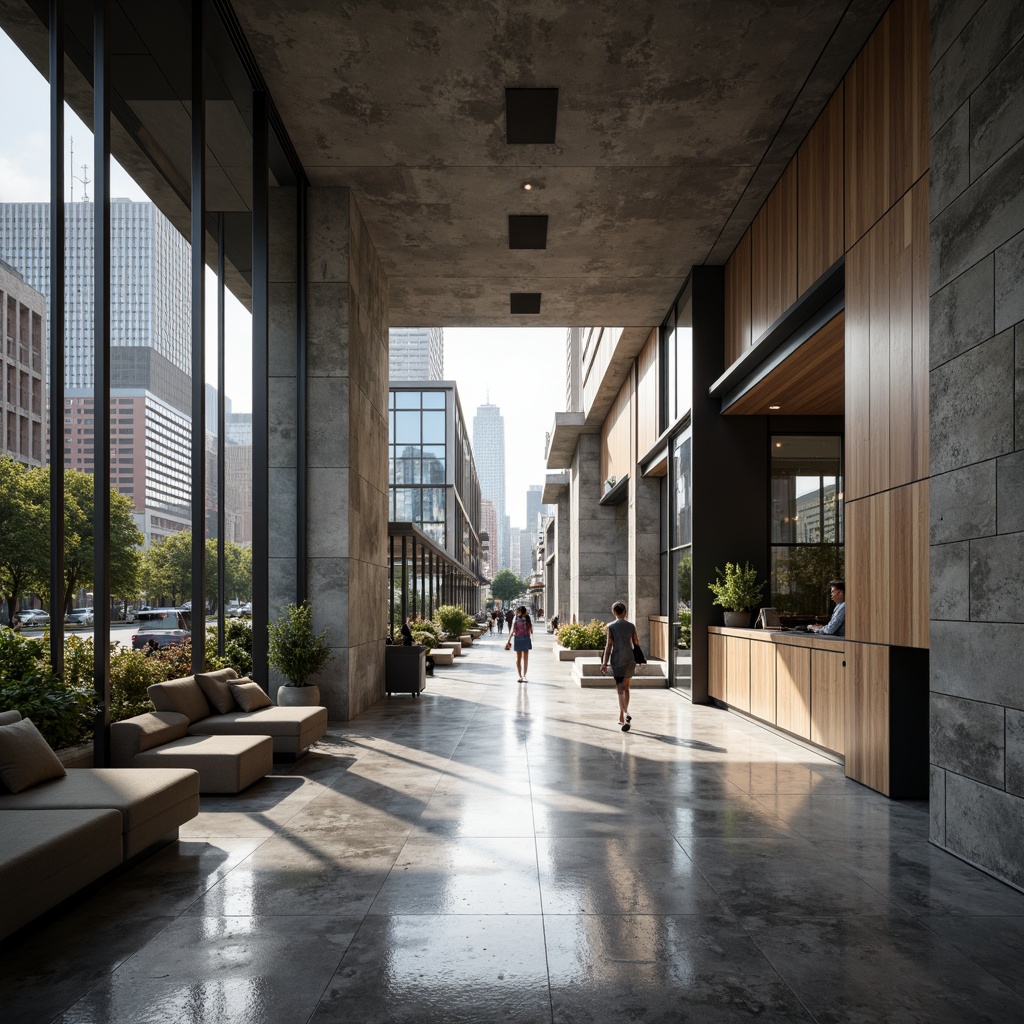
x=681, y=561
x=806, y=520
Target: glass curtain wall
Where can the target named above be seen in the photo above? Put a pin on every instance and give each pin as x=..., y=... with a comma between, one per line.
x=807, y=531
x=185, y=148
x=681, y=563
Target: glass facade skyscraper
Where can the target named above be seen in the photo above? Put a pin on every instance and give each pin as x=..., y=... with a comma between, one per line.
x=415, y=353
x=489, y=452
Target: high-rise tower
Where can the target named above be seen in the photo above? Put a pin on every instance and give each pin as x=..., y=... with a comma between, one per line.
x=415, y=353
x=489, y=453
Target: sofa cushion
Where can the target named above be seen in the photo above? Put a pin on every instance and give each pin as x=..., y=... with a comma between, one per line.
x=9, y=717
x=48, y=855
x=291, y=729
x=250, y=697
x=144, y=732
x=215, y=686
x=180, y=695
x=26, y=758
x=138, y=793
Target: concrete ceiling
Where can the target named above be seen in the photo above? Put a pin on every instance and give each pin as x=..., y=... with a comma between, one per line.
x=674, y=121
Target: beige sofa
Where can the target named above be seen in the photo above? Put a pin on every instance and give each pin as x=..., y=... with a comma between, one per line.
x=59, y=835
x=292, y=730
x=226, y=764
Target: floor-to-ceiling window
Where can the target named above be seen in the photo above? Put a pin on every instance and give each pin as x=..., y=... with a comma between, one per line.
x=680, y=562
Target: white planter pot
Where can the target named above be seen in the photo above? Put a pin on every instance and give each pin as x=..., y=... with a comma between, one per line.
x=298, y=696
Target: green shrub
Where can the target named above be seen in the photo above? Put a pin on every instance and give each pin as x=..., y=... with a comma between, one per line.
x=685, y=625
x=20, y=656
x=423, y=633
x=736, y=589
x=130, y=673
x=78, y=661
x=579, y=637
x=63, y=714
x=451, y=619
x=237, y=647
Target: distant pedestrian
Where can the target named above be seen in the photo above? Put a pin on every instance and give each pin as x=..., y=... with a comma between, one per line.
x=618, y=652
x=500, y=620
x=520, y=634
x=509, y=616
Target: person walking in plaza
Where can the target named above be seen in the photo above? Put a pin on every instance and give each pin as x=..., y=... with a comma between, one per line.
x=499, y=618
x=509, y=616
x=618, y=653
x=520, y=633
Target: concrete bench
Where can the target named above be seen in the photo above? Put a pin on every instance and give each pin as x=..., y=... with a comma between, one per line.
x=442, y=656
x=587, y=672
x=451, y=645
x=467, y=640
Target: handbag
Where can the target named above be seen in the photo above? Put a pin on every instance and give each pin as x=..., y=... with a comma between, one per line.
x=638, y=655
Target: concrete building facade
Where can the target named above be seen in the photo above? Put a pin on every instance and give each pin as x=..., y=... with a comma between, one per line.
x=489, y=453
x=415, y=353
x=23, y=429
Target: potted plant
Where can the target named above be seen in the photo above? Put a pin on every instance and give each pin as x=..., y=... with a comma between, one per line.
x=737, y=591
x=297, y=653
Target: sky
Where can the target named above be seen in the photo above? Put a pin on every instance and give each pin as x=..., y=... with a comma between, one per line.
x=521, y=370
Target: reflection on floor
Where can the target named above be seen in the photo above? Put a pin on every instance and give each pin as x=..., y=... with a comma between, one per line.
x=496, y=852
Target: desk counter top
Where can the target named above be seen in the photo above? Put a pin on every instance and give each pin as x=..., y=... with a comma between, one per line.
x=776, y=636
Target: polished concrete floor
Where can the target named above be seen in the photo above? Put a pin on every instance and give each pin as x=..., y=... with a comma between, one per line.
x=497, y=852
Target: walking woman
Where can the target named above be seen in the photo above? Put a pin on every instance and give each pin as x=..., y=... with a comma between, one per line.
x=618, y=652
x=521, y=630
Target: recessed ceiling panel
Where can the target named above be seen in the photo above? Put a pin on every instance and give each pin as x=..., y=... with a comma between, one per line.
x=524, y=302
x=527, y=232
x=531, y=116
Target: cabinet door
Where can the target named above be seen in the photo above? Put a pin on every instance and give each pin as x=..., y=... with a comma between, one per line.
x=762, y=680
x=737, y=668
x=716, y=666
x=828, y=699
x=793, y=690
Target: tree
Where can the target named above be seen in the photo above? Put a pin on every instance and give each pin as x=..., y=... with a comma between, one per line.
x=26, y=533
x=167, y=568
x=507, y=585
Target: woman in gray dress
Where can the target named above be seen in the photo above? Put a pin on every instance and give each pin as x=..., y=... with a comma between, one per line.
x=618, y=652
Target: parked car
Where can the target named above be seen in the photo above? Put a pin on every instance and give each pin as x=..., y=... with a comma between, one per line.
x=34, y=617
x=163, y=627
x=79, y=617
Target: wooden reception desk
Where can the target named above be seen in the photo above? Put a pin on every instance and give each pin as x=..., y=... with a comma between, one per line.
x=793, y=681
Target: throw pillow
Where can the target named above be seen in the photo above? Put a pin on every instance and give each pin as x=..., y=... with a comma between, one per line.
x=218, y=692
x=26, y=758
x=249, y=696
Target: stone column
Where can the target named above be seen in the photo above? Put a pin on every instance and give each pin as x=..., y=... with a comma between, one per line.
x=976, y=282
x=347, y=484
x=599, y=552
x=644, y=553
x=563, y=534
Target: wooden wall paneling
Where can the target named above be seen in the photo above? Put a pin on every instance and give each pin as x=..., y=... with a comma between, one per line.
x=762, y=680
x=659, y=636
x=616, y=434
x=879, y=326
x=793, y=690
x=867, y=133
x=647, y=395
x=908, y=55
x=820, y=208
x=867, y=569
x=828, y=699
x=716, y=666
x=897, y=227
x=866, y=718
x=773, y=277
x=909, y=565
x=920, y=378
x=857, y=363
x=737, y=668
x=737, y=301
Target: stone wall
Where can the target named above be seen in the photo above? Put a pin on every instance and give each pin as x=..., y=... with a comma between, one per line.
x=977, y=433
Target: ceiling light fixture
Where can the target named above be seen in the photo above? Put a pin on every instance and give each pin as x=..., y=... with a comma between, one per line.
x=527, y=186
x=774, y=406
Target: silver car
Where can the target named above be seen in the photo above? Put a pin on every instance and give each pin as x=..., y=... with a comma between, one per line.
x=34, y=617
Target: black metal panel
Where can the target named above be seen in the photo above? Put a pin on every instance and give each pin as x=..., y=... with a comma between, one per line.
x=531, y=116
x=908, y=723
x=260, y=393
x=524, y=302
x=198, y=344
x=527, y=232
x=302, y=401
x=221, y=440
x=101, y=382
x=57, y=315
x=730, y=473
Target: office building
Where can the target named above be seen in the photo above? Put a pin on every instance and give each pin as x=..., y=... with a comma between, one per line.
x=23, y=428
x=489, y=525
x=489, y=453
x=415, y=353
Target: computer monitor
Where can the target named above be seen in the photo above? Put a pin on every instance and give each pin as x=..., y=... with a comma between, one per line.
x=768, y=618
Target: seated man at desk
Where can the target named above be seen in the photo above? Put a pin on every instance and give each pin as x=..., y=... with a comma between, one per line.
x=837, y=624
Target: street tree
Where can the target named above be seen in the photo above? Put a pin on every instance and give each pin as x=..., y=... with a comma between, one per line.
x=506, y=586
x=167, y=568
x=26, y=530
